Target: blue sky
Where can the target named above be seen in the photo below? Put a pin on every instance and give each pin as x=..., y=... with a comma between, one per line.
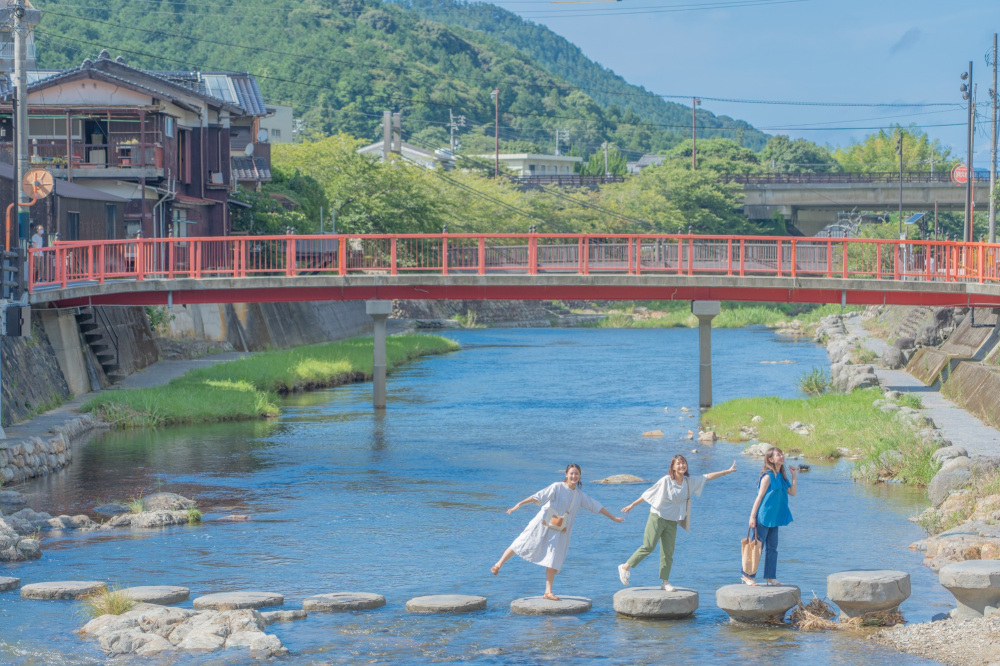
x=868, y=51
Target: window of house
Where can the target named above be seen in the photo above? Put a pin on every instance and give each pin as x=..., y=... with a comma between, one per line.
x=541, y=169
x=111, y=221
x=54, y=127
x=168, y=126
x=72, y=226
x=276, y=133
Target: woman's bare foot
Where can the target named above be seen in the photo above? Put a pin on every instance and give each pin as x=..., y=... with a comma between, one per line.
x=550, y=596
x=495, y=569
x=749, y=581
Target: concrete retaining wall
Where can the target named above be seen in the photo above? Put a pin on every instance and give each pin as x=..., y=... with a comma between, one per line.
x=975, y=387
x=32, y=378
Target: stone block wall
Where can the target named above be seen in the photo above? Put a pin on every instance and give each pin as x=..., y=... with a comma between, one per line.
x=32, y=378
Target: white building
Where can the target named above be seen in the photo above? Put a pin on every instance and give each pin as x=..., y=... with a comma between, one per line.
x=278, y=123
x=525, y=164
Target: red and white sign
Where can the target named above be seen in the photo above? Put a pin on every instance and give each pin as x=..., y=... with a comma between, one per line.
x=960, y=174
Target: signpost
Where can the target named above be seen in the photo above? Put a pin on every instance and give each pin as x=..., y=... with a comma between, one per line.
x=960, y=174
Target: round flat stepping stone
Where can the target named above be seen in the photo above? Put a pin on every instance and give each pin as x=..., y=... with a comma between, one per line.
x=744, y=603
x=343, y=601
x=864, y=591
x=7, y=583
x=543, y=606
x=654, y=603
x=446, y=603
x=158, y=594
x=68, y=589
x=975, y=585
x=238, y=600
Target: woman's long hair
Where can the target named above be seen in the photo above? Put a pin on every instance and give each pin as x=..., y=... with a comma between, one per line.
x=571, y=466
x=674, y=460
x=770, y=466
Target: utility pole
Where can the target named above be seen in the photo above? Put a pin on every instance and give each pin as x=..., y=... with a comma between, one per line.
x=454, y=124
x=694, y=136
x=967, y=93
x=899, y=149
x=496, y=166
x=21, y=123
x=605, y=146
x=993, y=147
x=564, y=134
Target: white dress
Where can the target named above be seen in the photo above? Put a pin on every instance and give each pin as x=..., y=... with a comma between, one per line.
x=543, y=545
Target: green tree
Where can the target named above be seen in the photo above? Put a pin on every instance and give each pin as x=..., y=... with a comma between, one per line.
x=616, y=163
x=782, y=155
x=877, y=153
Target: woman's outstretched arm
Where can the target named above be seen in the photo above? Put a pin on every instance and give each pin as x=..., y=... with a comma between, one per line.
x=795, y=478
x=715, y=475
x=604, y=512
x=633, y=505
x=528, y=500
x=764, y=484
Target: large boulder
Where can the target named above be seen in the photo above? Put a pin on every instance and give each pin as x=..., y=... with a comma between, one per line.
x=944, y=483
x=167, y=502
x=863, y=591
x=744, y=603
x=893, y=358
x=654, y=603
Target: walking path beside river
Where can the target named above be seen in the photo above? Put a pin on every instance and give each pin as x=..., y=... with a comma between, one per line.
x=157, y=374
x=956, y=424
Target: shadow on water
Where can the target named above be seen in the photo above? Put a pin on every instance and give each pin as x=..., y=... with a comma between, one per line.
x=412, y=501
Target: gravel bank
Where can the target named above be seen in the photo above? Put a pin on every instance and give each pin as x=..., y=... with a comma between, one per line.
x=958, y=642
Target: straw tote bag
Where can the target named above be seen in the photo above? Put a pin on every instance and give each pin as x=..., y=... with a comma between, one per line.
x=685, y=522
x=750, y=550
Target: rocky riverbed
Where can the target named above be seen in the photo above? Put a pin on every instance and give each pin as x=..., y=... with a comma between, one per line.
x=958, y=642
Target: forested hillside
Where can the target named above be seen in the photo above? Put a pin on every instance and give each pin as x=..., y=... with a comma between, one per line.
x=339, y=63
x=566, y=61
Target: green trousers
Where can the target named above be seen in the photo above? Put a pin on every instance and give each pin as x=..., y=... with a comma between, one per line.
x=664, y=531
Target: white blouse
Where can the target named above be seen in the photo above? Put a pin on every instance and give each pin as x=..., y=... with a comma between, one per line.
x=669, y=500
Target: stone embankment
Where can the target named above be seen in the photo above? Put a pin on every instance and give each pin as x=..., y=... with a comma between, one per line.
x=850, y=368
x=25, y=459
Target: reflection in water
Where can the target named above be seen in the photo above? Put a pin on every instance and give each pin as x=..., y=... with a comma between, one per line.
x=411, y=501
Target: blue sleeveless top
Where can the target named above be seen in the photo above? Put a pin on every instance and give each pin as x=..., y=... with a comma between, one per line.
x=773, y=510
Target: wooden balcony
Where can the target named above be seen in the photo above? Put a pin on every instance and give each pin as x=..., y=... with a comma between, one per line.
x=122, y=157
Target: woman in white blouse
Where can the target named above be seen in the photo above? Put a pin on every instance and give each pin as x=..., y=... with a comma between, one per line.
x=668, y=500
x=546, y=538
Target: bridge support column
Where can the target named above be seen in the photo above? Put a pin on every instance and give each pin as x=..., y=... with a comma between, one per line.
x=378, y=311
x=706, y=311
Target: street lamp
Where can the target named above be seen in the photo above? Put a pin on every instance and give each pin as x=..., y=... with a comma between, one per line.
x=966, y=89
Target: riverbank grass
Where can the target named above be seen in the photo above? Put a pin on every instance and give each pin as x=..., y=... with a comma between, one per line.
x=111, y=601
x=247, y=388
x=843, y=424
x=677, y=314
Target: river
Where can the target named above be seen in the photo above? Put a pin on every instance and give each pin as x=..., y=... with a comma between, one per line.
x=413, y=502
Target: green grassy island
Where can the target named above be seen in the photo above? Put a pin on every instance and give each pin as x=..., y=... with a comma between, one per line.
x=837, y=424
x=248, y=388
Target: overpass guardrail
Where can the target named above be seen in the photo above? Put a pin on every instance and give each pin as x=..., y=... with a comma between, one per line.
x=847, y=177
x=82, y=262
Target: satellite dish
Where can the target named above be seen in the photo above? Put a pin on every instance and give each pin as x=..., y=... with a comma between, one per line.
x=248, y=151
x=262, y=135
x=37, y=183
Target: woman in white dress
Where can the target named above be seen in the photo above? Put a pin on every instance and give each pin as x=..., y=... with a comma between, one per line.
x=668, y=500
x=546, y=538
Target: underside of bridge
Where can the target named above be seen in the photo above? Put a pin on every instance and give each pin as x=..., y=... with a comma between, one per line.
x=524, y=287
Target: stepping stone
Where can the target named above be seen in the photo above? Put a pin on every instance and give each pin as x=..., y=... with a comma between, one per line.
x=69, y=589
x=863, y=591
x=446, y=603
x=343, y=601
x=270, y=617
x=238, y=600
x=975, y=585
x=543, y=606
x=9, y=583
x=654, y=603
x=744, y=603
x=158, y=594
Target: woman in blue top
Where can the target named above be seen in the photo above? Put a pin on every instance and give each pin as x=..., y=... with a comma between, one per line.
x=770, y=510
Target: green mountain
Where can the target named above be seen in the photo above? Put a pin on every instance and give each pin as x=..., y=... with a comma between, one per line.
x=340, y=63
x=566, y=61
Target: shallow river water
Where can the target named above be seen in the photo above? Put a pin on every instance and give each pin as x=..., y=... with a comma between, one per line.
x=413, y=502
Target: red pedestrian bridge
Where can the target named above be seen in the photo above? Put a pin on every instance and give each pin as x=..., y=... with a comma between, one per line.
x=238, y=269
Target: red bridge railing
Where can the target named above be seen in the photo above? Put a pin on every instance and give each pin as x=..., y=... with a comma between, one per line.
x=77, y=262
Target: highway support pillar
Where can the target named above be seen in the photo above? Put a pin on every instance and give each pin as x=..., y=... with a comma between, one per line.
x=706, y=311
x=378, y=311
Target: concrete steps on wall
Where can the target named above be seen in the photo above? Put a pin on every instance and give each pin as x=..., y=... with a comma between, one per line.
x=101, y=341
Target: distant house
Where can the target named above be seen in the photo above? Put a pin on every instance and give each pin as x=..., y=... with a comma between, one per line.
x=173, y=145
x=279, y=124
x=646, y=160
x=526, y=164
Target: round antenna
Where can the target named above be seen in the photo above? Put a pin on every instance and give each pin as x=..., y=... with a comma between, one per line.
x=262, y=135
x=38, y=183
x=248, y=151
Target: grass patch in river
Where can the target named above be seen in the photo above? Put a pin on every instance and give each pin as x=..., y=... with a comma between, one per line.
x=677, y=314
x=842, y=421
x=247, y=388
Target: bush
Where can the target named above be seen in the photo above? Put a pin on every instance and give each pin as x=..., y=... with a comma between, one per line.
x=814, y=382
x=111, y=601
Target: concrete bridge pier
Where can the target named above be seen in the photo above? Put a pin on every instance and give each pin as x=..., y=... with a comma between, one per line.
x=706, y=311
x=378, y=311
